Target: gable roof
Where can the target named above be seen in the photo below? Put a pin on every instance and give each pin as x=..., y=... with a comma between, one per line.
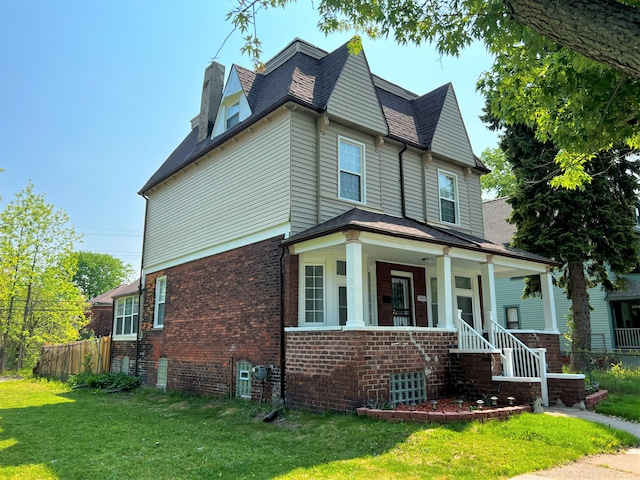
x=106, y=298
x=366, y=221
x=494, y=215
x=306, y=75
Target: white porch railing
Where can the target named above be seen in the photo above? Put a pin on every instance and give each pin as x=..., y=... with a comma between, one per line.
x=628, y=337
x=469, y=339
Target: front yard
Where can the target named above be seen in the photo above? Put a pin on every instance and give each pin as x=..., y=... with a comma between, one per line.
x=48, y=431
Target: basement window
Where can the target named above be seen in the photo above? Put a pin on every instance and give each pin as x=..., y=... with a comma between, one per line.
x=163, y=368
x=407, y=388
x=243, y=379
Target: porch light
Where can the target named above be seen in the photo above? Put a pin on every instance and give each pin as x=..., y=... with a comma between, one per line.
x=494, y=401
x=459, y=402
x=511, y=400
x=434, y=404
x=480, y=404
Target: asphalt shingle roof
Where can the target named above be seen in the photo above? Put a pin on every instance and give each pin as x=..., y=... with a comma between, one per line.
x=310, y=81
x=363, y=220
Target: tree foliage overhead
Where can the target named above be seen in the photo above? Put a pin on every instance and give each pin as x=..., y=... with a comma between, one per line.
x=38, y=300
x=582, y=92
x=500, y=182
x=590, y=232
x=100, y=272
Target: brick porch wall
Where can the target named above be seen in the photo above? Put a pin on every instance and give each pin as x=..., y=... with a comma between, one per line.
x=341, y=370
x=219, y=310
x=569, y=390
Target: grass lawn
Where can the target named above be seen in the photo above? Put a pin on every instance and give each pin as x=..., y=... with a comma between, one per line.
x=48, y=431
x=623, y=385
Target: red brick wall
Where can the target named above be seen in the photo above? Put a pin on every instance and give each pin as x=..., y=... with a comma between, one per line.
x=101, y=321
x=120, y=349
x=219, y=310
x=341, y=370
x=385, y=310
x=569, y=390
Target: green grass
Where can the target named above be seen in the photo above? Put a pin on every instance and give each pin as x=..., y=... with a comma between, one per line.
x=623, y=385
x=48, y=431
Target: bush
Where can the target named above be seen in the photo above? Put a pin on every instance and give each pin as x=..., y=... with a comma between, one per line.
x=115, y=382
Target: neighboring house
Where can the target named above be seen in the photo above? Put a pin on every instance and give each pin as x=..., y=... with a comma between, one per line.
x=101, y=309
x=317, y=237
x=615, y=318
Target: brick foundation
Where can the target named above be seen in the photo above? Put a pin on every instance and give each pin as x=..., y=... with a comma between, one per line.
x=569, y=390
x=119, y=350
x=341, y=370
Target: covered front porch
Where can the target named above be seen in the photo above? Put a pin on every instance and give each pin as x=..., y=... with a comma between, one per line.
x=386, y=301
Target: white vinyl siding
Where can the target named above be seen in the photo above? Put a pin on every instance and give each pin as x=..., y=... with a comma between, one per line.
x=214, y=201
x=354, y=98
x=304, y=186
x=450, y=138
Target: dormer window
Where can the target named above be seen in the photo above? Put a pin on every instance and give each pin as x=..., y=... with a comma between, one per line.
x=232, y=115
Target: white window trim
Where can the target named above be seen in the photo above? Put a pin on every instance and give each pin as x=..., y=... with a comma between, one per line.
x=302, y=293
x=363, y=156
x=456, y=195
x=128, y=336
x=156, y=302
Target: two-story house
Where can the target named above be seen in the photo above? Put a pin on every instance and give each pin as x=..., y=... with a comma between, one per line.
x=317, y=237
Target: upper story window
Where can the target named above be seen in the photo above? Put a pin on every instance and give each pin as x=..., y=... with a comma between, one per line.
x=161, y=294
x=351, y=170
x=232, y=115
x=448, y=193
x=126, y=316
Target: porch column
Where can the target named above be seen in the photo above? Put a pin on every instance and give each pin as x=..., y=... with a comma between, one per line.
x=548, y=302
x=355, y=286
x=488, y=290
x=445, y=290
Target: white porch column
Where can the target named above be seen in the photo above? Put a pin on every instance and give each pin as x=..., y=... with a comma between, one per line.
x=355, y=287
x=488, y=290
x=445, y=290
x=548, y=301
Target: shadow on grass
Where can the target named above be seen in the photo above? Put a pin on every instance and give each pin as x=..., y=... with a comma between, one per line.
x=150, y=435
x=145, y=434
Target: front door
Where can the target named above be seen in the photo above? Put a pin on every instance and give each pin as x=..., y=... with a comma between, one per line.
x=401, y=301
x=465, y=301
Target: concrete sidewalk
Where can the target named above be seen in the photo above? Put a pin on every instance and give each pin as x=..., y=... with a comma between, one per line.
x=622, y=466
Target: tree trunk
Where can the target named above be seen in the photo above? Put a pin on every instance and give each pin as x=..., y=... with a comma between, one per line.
x=606, y=31
x=581, y=334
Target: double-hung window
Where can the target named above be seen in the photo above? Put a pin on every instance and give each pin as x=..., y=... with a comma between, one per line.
x=448, y=192
x=161, y=293
x=232, y=115
x=314, y=294
x=126, y=316
x=351, y=156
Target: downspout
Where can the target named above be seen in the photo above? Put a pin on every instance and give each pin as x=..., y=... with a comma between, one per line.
x=401, y=162
x=282, y=337
x=141, y=284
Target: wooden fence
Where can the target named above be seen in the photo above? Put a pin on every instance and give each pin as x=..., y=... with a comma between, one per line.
x=71, y=358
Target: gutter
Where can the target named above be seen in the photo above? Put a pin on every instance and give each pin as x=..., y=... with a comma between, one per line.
x=141, y=283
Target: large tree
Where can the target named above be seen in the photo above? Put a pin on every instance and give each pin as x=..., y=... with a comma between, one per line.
x=100, y=272
x=584, y=97
x=590, y=232
x=500, y=182
x=38, y=301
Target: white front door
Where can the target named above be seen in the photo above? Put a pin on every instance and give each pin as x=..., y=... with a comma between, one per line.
x=467, y=300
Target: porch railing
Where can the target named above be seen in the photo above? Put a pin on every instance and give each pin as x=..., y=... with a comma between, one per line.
x=521, y=361
x=628, y=337
x=469, y=339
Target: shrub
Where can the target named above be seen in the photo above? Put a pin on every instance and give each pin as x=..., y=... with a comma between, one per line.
x=114, y=382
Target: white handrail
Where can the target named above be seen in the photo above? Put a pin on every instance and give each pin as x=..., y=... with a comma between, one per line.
x=525, y=361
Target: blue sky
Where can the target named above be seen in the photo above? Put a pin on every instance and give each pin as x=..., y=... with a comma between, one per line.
x=95, y=95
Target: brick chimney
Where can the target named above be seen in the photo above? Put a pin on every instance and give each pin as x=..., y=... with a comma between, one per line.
x=212, y=88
